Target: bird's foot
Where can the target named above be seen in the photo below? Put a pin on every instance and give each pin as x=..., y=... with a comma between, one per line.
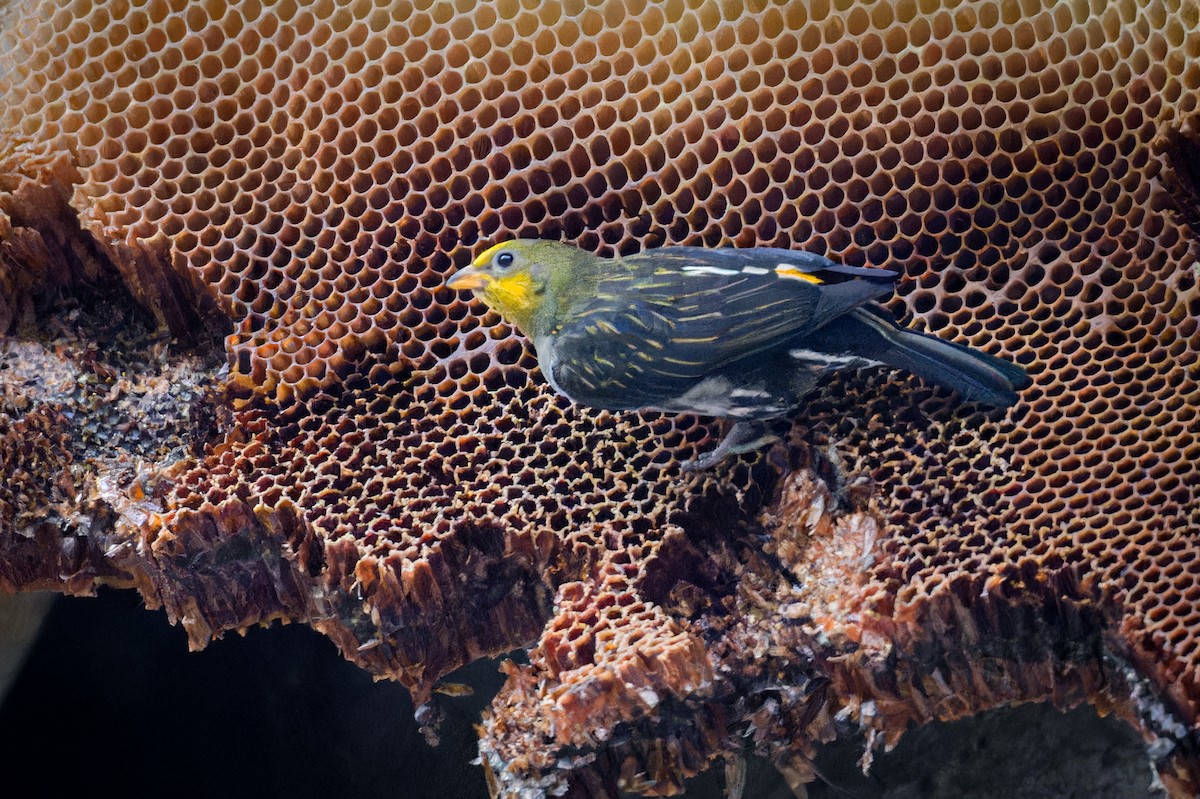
x=742, y=437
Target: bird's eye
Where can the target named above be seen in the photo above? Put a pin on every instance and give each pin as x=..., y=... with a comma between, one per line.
x=504, y=260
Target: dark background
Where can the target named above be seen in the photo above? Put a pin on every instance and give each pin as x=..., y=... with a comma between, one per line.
x=113, y=700
x=111, y=703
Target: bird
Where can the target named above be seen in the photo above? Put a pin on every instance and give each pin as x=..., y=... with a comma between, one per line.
x=742, y=334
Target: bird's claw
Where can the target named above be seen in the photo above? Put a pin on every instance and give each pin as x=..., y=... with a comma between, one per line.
x=742, y=437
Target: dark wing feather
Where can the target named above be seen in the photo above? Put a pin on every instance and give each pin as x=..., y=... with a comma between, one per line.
x=763, y=257
x=673, y=316
x=724, y=304
x=610, y=354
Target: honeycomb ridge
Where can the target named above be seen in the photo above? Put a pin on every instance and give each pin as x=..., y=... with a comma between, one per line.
x=313, y=171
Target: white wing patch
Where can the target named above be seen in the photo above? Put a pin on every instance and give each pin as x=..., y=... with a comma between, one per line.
x=712, y=397
x=828, y=359
x=708, y=270
x=755, y=270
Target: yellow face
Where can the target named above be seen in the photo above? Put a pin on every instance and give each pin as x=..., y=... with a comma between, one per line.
x=501, y=276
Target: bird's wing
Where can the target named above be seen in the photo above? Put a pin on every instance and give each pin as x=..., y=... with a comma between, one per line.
x=724, y=304
x=661, y=321
x=611, y=354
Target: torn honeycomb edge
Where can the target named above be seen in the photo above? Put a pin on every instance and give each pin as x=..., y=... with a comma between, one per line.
x=602, y=733
x=966, y=651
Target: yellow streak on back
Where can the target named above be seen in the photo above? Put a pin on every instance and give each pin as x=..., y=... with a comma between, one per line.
x=796, y=273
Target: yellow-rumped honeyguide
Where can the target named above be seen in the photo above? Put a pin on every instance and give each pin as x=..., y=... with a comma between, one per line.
x=742, y=334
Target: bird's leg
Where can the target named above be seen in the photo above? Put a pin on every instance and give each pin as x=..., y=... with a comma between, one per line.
x=742, y=437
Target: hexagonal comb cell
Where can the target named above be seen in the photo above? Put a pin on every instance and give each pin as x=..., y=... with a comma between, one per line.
x=315, y=170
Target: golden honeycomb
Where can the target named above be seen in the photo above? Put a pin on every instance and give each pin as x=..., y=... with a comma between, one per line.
x=394, y=470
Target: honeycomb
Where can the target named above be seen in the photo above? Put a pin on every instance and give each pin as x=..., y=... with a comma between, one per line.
x=36, y=463
x=391, y=467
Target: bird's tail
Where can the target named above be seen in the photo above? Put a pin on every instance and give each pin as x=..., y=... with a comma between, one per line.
x=975, y=375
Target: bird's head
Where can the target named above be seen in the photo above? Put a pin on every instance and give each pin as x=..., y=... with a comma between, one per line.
x=523, y=280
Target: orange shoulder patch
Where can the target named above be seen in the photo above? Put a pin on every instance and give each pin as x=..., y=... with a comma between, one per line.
x=784, y=270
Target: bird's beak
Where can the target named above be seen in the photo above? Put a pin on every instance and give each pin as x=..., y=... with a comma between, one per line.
x=471, y=279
